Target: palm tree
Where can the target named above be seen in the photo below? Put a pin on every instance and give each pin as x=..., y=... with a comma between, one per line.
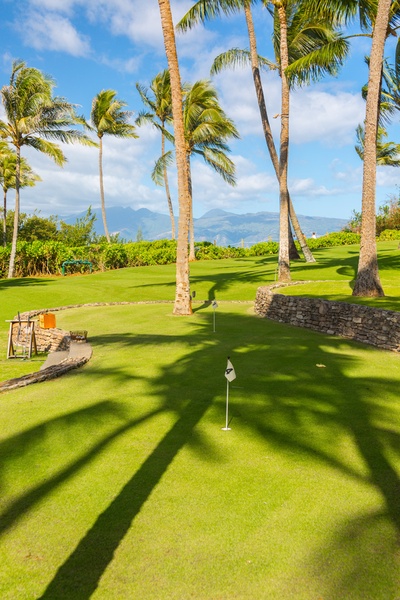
x=108, y=118
x=203, y=10
x=182, y=305
x=207, y=129
x=368, y=281
x=33, y=118
x=387, y=153
x=8, y=164
x=159, y=115
x=312, y=48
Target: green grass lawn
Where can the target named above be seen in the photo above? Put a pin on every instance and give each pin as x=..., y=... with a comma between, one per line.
x=117, y=480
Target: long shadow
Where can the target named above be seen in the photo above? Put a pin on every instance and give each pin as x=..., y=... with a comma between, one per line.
x=22, y=282
x=29, y=499
x=301, y=413
x=78, y=577
x=298, y=421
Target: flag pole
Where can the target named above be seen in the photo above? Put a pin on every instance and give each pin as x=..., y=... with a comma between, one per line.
x=230, y=376
x=226, y=428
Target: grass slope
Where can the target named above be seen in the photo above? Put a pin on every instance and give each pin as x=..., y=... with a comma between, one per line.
x=118, y=482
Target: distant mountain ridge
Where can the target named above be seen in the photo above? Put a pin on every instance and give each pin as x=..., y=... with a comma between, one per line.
x=217, y=226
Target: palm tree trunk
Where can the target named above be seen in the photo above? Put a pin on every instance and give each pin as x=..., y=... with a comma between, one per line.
x=283, y=260
x=103, y=204
x=270, y=140
x=368, y=281
x=192, y=255
x=293, y=253
x=11, y=266
x=182, y=305
x=166, y=186
x=5, y=219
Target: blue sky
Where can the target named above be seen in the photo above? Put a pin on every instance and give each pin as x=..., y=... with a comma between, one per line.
x=90, y=45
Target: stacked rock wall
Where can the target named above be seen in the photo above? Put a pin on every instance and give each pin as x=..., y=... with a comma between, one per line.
x=380, y=328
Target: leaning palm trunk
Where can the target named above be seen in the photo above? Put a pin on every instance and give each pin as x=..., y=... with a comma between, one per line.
x=269, y=138
x=11, y=266
x=182, y=304
x=5, y=219
x=368, y=280
x=283, y=260
x=103, y=204
x=166, y=186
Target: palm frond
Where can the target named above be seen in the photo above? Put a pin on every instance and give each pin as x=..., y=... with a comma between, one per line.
x=317, y=63
x=238, y=58
x=165, y=161
x=206, y=10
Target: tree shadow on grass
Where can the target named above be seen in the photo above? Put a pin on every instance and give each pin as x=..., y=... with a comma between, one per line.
x=78, y=577
x=25, y=442
x=288, y=402
x=310, y=420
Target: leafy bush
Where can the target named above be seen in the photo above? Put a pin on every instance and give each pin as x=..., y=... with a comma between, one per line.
x=389, y=234
x=207, y=251
x=46, y=258
x=340, y=238
x=264, y=248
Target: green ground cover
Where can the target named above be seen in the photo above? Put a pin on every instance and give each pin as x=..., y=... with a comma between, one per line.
x=117, y=480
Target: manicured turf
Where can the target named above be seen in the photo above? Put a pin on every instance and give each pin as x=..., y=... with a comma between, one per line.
x=117, y=480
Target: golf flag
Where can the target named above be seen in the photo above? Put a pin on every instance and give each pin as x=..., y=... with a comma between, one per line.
x=230, y=371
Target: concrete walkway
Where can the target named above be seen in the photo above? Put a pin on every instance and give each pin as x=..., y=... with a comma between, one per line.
x=76, y=352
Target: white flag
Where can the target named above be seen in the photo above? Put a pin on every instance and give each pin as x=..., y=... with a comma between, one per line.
x=230, y=371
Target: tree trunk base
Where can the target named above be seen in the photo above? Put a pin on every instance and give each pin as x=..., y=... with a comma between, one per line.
x=368, y=285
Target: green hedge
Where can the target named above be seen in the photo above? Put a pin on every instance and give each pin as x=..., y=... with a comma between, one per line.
x=389, y=234
x=46, y=258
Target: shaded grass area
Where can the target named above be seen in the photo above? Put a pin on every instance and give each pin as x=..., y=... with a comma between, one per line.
x=117, y=481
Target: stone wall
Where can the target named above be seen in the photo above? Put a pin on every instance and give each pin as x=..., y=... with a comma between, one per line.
x=47, y=340
x=380, y=328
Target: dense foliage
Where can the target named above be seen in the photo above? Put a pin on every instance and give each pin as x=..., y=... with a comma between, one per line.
x=46, y=257
x=388, y=217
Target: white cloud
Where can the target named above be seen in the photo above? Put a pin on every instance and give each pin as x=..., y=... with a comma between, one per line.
x=330, y=118
x=387, y=176
x=53, y=32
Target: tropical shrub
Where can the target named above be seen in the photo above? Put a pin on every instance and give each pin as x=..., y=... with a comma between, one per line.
x=264, y=248
x=46, y=258
x=389, y=234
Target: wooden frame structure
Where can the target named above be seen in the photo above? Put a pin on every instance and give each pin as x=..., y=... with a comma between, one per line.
x=23, y=339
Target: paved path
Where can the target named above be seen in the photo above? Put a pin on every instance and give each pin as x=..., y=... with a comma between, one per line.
x=77, y=350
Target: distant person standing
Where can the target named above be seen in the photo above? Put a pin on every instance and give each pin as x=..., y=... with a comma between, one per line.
x=314, y=235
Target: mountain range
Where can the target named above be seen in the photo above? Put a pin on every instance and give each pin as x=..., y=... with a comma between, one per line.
x=218, y=226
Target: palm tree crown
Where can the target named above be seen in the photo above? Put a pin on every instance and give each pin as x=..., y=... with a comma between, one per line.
x=36, y=119
x=207, y=128
x=158, y=101
x=108, y=118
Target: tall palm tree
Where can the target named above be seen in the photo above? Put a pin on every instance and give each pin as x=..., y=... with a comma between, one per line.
x=207, y=130
x=8, y=165
x=182, y=305
x=157, y=100
x=33, y=118
x=387, y=153
x=203, y=10
x=311, y=49
x=368, y=281
x=340, y=11
x=108, y=118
